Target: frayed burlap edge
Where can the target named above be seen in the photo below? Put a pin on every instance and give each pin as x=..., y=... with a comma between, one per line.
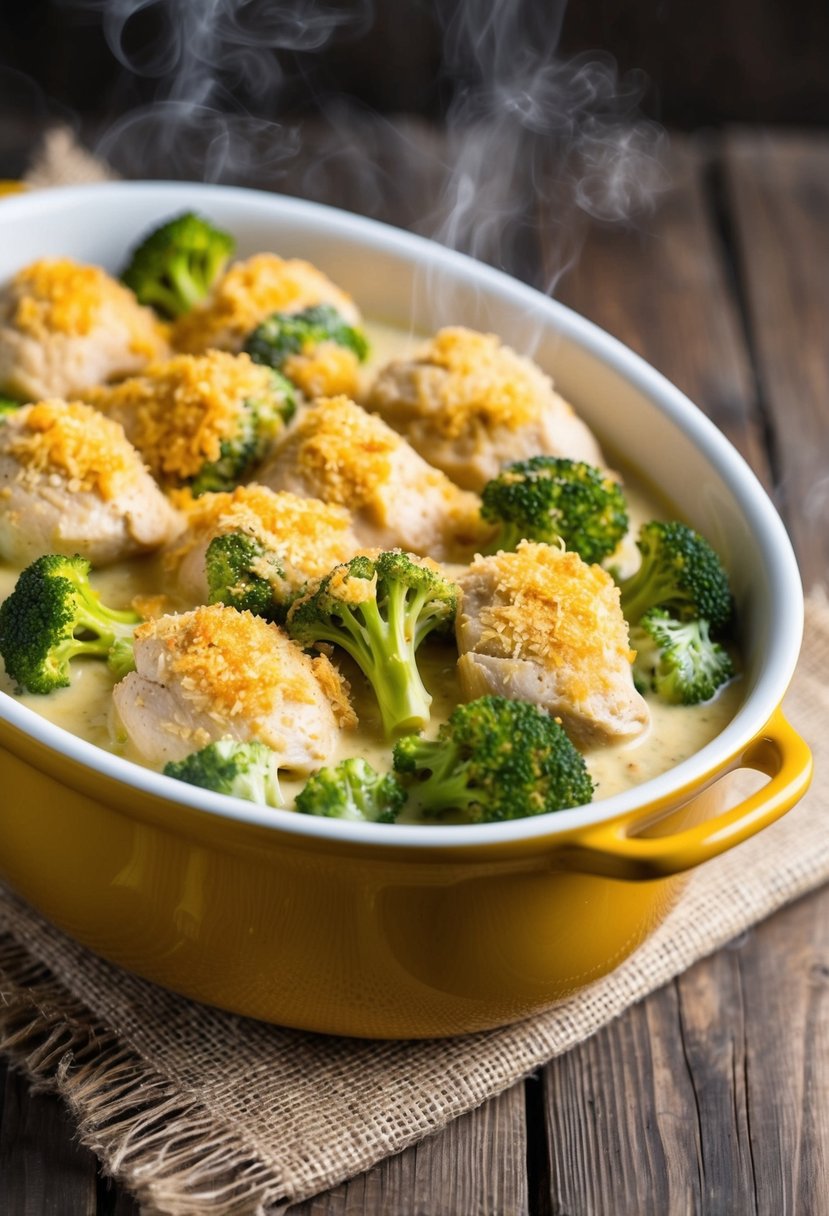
x=139, y=1123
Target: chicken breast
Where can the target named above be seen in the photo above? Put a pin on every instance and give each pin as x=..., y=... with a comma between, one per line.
x=183, y=414
x=308, y=536
x=541, y=625
x=215, y=673
x=64, y=327
x=70, y=482
x=470, y=405
x=337, y=452
x=248, y=293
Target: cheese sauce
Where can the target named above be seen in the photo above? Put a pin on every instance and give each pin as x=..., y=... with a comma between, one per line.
x=674, y=734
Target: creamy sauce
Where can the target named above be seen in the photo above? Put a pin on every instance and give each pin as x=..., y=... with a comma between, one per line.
x=675, y=732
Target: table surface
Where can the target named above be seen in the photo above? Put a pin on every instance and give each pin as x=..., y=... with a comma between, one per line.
x=713, y=1094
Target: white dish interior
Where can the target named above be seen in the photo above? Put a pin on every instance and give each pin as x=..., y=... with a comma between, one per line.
x=407, y=281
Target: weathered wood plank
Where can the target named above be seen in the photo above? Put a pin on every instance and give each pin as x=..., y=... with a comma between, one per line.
x=476, y=1166
x=663, y=289
x=779, y=185
x=621, y=1120
x=783, y=969
x=43, y=1171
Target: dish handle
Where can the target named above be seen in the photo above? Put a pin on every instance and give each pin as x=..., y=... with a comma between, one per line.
x=613, y=850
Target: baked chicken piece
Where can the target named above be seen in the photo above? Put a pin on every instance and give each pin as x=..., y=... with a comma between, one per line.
x=248, y=293
x=470, y=405
x=541, y=625
x=308, y=537
x=66, y=326
x=203, y=421
x=70, y=482
x=216, y=673
x=339, y=453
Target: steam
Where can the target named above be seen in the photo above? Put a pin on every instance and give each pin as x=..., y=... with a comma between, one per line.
x=220, y=79
x=527, y=126
x=535, y=144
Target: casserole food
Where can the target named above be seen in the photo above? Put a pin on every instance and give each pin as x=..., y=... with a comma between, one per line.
x=404, y=930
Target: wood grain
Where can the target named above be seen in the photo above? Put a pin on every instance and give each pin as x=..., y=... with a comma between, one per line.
x=779, y=189
x=476, y=1166
x=663, y=288
x=43, y=1170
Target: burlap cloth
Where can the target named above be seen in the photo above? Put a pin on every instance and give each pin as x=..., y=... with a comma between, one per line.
x=197, y=1111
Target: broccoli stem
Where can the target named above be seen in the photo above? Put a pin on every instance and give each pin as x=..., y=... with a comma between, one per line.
x=403, y=699
x=644, y=589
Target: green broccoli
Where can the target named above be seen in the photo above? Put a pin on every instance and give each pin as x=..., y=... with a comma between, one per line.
x=551, y=499
x=680, y=573
x=175, y=266
x=379, y=610
x=242, y=573
x=242, y=770
x=8, y=406
x=352, y=790
x=284, y=334
x=262, y=420
x=677, y=659
x=493, y=759
x=52, y=616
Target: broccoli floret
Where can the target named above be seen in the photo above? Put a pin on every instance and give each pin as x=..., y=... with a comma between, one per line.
x=352, y=790
x=176, y=265
x=284, y=334
x=680, y=573
x=242, y=770
x=52, y=616
x=8, y=406
x=677, y=659
x=379, y=610
x=262, y=420
x=494, y=759
x=244, y=574
x=552, y=499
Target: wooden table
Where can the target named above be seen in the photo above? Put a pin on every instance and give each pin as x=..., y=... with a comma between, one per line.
x=712, y=1095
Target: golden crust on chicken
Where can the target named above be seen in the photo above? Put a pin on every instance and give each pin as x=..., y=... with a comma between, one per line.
x=341, y=454
x=180, y=412
x=308, y=536
x=71, y=482
x=66, y=326
x=214, y=673
x=248, y=293
x=542, y=625
x=470, y=405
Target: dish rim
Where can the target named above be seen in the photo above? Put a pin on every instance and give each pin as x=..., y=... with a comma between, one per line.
x=689, y=775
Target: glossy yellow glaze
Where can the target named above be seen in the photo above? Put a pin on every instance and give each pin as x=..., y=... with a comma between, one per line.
x=358, y=939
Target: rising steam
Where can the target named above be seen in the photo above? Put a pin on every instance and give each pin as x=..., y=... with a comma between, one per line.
x=533, y=139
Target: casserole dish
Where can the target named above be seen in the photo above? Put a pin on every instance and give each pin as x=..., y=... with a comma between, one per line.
x=401, y=930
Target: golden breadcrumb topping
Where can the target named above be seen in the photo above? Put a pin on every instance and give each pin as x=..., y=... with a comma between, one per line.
x=486, y=384
x=305, y=532
x=342, y=451
x=327, y=370
x=552, y=607
x=336, y=688
x=248, y=293
x=73, y=439
x=59, y=296
x=232, y=664
x=179, y=412
x=345, y=587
